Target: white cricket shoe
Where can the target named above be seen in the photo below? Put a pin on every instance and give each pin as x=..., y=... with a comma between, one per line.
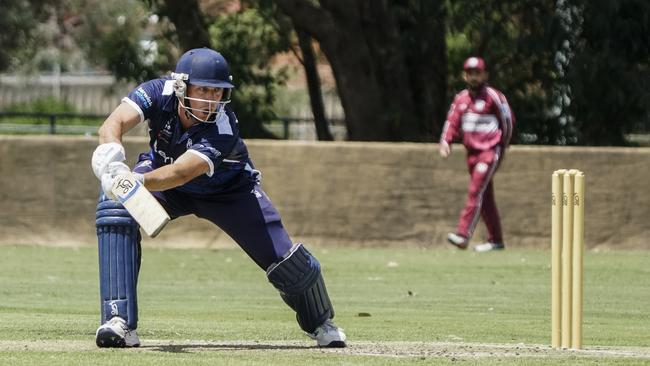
x=116, y=334
x=486, y=247
x=458, y=240
x=329, y=335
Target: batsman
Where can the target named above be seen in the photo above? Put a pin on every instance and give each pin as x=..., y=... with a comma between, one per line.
x=197, y=164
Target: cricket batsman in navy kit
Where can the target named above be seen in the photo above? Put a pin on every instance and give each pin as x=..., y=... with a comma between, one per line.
x=481, y=117
x=197, y=164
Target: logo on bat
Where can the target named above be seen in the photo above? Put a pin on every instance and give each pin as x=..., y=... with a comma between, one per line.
x=125, y=185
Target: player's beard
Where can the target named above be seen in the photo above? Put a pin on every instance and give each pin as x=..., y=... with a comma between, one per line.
x=475, y=87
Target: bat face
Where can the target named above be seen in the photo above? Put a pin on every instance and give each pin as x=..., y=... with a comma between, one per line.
x=141, y=204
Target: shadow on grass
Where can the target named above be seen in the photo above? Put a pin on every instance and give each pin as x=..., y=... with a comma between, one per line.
x=185, y=348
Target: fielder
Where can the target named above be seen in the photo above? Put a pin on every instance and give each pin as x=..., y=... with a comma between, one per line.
x=197, y=164
x=481, y=116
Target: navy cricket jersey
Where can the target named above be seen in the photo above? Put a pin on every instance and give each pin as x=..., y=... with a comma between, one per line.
x=217, y=143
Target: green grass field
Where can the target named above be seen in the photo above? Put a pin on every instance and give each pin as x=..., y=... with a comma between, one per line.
x=408, y=306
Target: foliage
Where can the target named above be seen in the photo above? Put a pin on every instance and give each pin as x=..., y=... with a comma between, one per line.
x=519, y=41
x=115, y=36
x=134, y=44
x=246, y=39
x=574, y=71
x=48, y=105
x=249, y=42
x=27, y=37
x=43, y=105
x=17, y=22
x=609, y=72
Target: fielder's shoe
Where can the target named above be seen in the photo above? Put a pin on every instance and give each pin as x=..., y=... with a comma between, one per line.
x=457, y=240
x=329, y=335
x=116, y=334
x=486, y=247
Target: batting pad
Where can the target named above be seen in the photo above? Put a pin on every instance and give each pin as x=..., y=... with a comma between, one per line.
x=118, y=236
x=299, y=280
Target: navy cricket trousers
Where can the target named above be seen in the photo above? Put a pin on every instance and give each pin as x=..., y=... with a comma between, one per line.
x=245, y=213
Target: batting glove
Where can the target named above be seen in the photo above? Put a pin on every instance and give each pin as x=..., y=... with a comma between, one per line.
x=114, y=170
x=105, y=154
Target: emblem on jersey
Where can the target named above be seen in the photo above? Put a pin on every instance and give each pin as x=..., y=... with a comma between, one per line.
x=166, y=133
x=143, y=97
x=189, y=143
x=479, y=105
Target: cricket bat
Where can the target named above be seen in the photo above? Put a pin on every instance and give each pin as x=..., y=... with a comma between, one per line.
x=141, y=204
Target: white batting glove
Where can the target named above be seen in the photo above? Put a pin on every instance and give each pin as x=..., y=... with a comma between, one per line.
x=107, y=185
x=117, y=167
x=105, y=154
x=114, y=170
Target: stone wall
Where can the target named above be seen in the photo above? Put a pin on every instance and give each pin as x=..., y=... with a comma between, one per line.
x=340, y=193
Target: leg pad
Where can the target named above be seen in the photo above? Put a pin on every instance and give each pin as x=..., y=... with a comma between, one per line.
x=298, y=278
x=119, y=238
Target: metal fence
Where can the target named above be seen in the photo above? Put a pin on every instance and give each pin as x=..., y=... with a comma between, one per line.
x=51, y=123
x=294, y=128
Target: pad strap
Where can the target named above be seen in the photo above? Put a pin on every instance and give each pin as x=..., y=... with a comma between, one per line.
x=299, y=280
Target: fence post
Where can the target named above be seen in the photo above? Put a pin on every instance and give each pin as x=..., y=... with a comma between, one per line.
x=285, y=122
x=52, y=124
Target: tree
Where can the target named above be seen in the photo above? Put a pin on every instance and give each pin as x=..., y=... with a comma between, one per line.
x=313, y=85
x=575, y=71
x=190, y=25
x=384, y=55
x=34, y=36
x=609, y=72
x=111, y=35
x=17, y=21
x=520, y=41
x=137, y=40
x=305, y=53
x=247, y=42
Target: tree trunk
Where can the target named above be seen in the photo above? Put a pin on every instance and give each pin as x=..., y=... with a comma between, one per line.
x=382, y=34
x=313, y=85
x=427, y=65
x=357, y=87
x=376, y=76
x=188, y=20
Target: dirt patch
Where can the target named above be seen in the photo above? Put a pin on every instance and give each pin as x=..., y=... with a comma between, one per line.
x=450, y=350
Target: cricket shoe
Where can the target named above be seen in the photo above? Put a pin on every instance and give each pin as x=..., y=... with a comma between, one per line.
x=486, y=247
x=116, y=334
x=329, y=335
x=458, y=240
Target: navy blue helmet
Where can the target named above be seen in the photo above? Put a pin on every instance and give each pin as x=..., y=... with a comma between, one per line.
x=203, y=67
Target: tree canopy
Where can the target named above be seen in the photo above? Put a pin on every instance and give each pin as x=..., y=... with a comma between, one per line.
x=574, y=71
